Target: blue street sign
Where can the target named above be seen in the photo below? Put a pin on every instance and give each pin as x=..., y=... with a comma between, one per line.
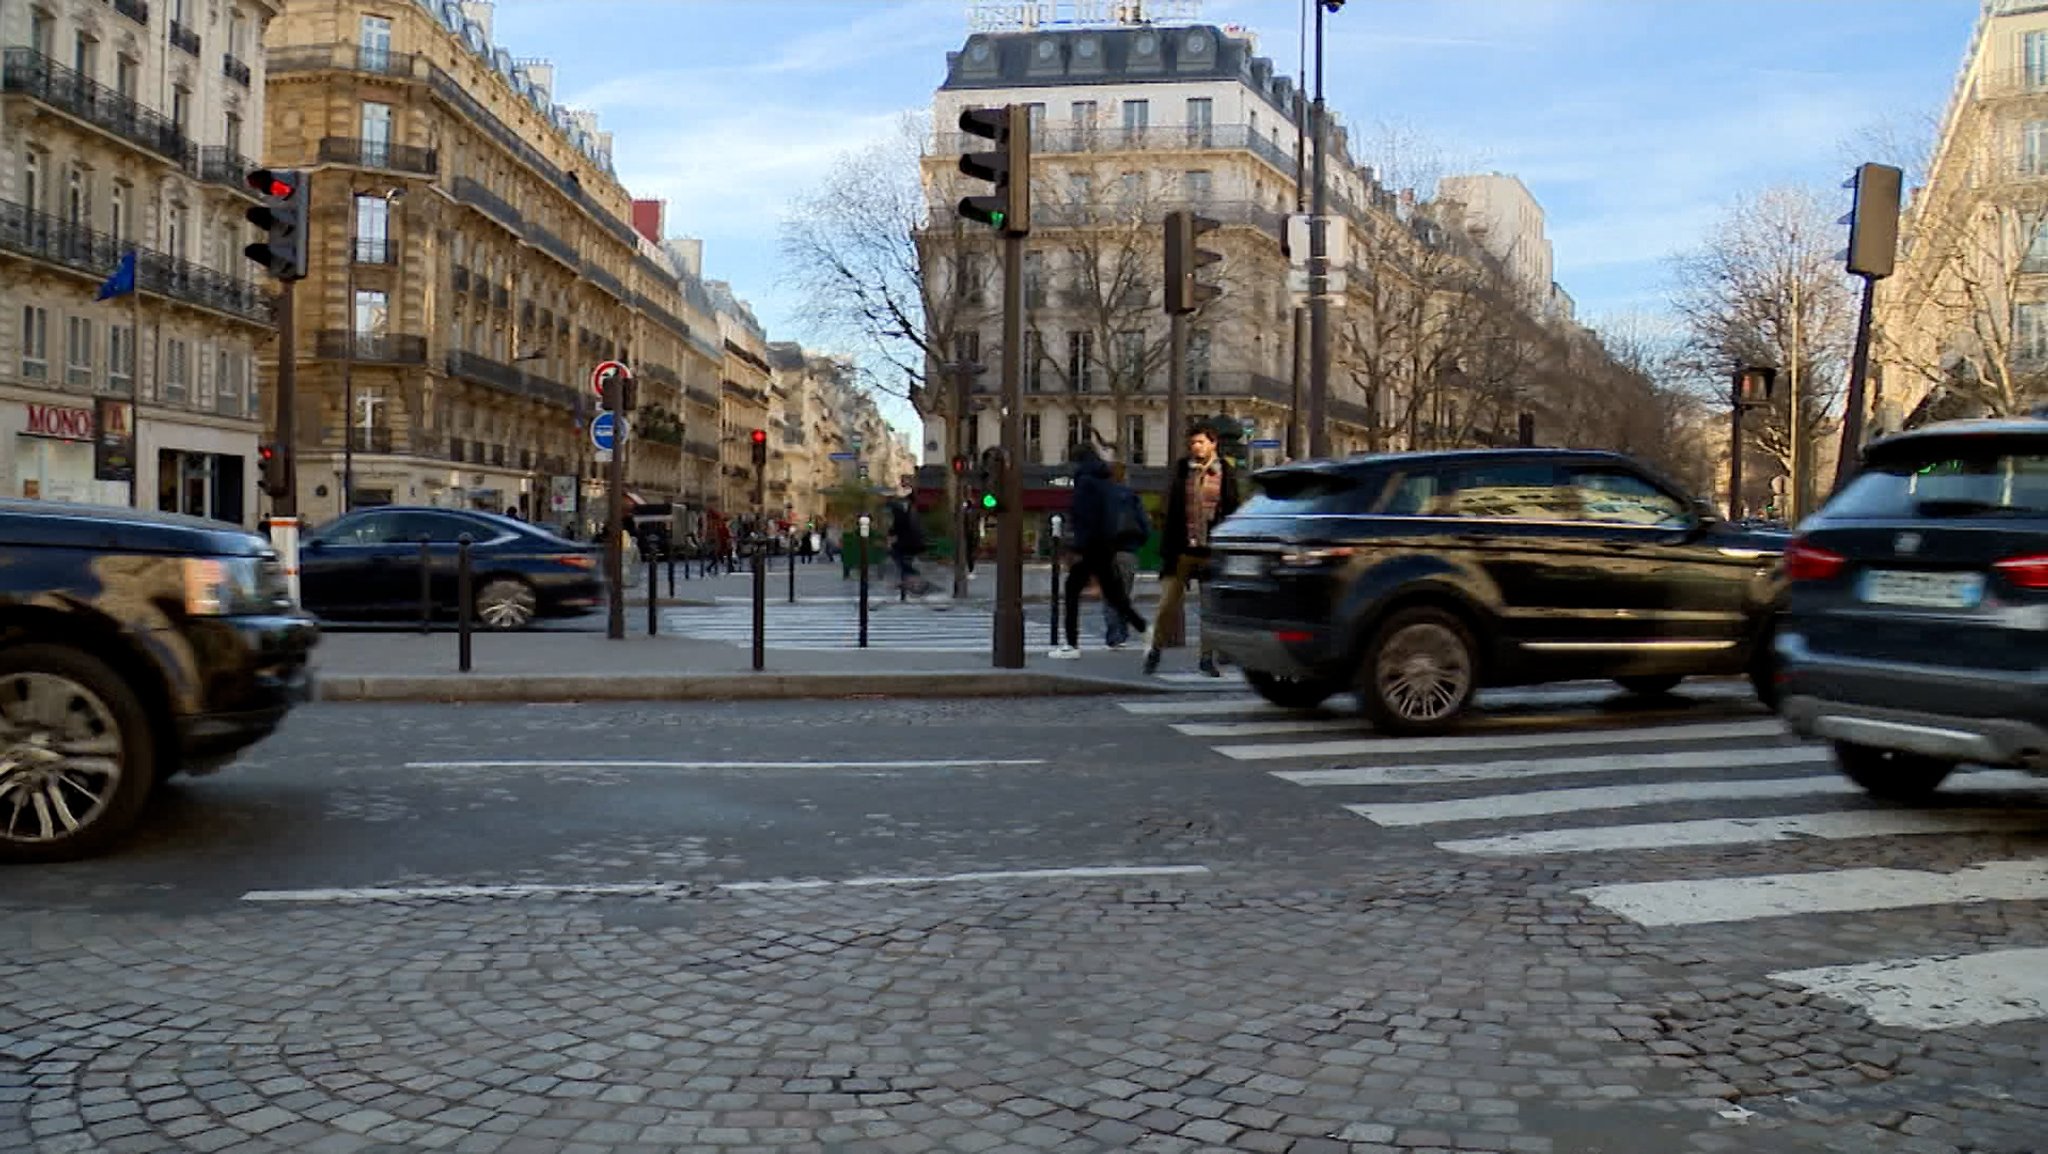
x=844, y=456
x=601, y=431
x=1266, y=443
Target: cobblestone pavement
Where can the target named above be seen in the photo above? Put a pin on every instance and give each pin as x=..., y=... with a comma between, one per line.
x=786, y=928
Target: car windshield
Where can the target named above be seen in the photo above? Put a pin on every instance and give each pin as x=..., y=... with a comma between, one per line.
x=1301, y=494
x=1949, y=481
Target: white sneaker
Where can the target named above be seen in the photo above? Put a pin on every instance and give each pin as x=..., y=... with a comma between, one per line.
x=1064, y=653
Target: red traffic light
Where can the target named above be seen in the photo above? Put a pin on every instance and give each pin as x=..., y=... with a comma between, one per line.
x=265, y=454
x=760, y=436
x=959, y=465
x=266, y=182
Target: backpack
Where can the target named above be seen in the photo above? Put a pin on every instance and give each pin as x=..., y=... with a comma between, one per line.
x=1129, y=527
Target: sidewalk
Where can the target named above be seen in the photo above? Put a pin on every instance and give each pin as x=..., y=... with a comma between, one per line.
x=552, y=667
x=820, y=579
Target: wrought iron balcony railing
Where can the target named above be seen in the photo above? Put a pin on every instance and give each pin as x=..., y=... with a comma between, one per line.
x=227, y=168
x=471, y=192
x=345, y=58
x=136, y=10
x=234, y=70
x=371, y=440
x=553, y=245
x=380, y=250
x=371, y=348
x=184, y=39
x=40, y=236
x=30, y=73
x=458, y=278
x=379, y=154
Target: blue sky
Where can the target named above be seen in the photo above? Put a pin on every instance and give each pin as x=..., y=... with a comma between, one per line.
x=1632, y=121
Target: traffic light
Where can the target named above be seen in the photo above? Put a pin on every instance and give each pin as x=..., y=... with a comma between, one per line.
x=271, y=470
x=991, y=480
x=1753, y=386
x=283, y=218
x=1185, y=294
x=1874, y=222
x=959, y=464
x=760, y=439
x=1008, y=168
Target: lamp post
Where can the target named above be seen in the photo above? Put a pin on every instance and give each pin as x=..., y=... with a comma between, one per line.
x=1319, y=262
x=389, y=196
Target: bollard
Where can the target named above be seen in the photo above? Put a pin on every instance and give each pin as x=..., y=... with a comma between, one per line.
x=463, y=602
x=760, y=604
x=863, y=580
x=426, y=588
x=672, y=569
x=792, y=576
x=1054, y=598
x=654, y=595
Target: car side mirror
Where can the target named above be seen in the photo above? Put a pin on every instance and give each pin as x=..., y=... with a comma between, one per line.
x=312, y=544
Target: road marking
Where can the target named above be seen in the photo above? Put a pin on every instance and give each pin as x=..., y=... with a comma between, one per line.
x=657, y=889
x=1295, y=724
x=1709, y=900
x=1152, y=707
x=1455, y=743
x=1566, y=693
x=989, y=763
x=1512, y=805
x=1938, y=993
x=1425, y=774
x=1842, y=826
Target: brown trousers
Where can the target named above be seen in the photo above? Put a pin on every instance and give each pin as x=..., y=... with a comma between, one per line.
x=1173, y=591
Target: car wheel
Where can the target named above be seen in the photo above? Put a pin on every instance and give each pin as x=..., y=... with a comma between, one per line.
x=506, y=603
x=1290, y=692
x=1650, y=686
x=1419, y=673
x=1890, y=774
x=77, y=755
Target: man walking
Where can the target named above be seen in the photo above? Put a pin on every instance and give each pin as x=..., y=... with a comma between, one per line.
x=1131, y=529
x=906, y=537
x=1093, y=519
x=1201, y=490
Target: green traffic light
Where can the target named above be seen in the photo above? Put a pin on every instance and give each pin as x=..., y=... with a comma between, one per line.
x=995, y=220
x=988, y=500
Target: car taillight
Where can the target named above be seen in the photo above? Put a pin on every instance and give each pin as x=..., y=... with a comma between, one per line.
x=578, y=560
x=2028, y=572
x=1804, y=562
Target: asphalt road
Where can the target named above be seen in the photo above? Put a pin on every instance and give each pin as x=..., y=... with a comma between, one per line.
x=1180, y=924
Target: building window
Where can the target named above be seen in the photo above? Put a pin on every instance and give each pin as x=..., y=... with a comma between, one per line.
x=971, y=279
x=2030, y=332
x=1034, y=361
x=2037, y=250
x=1131, y=188
x=1080, y=188
x=35, y=342
x=1080, y=361
x=85, y=56
x=374, y=43
x=1130, y=360
x=1034, y=280
x=174, y=233
x=1083, y=114
x=42, y=31
x=177, y=368
x=31, y=180
x=118, y=222
x=127, y=77
x=376, y=134
x=1199, y=184
x=2034, y=148
x=966, y=348
x=1035, y=115
x=181, y=110
x=1202, y=121
x=1137, y=118
x=1034, y=439
x=231, y=135
x=121, y=359
x=77, y=202
x=1198, y=361
x=78, y=351
x=1080, y=431
x=373, y=229
x=1134, y=439
x=228, y=380
x=2035, y=53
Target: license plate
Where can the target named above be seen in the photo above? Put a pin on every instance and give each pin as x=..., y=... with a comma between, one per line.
x=1923, y=590
x=1243, y=565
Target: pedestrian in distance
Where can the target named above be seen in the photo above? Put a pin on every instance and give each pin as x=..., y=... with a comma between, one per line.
x=1132, y=530
x=906, y=538
x=1092, y=520
x=1201, y=490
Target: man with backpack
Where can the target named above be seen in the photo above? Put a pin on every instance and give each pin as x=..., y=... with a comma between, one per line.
x=1093, y=519
x=1201, y=490
x=1132, y=530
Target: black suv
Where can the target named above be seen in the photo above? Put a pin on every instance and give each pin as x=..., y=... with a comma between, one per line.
x=133, y=646
x=1915, y=632
x=1414, y=579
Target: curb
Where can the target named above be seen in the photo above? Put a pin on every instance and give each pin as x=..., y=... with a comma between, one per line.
x=554, y=688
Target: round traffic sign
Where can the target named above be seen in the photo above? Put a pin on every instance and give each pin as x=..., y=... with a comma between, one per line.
x=598, y=374
x=603, y=429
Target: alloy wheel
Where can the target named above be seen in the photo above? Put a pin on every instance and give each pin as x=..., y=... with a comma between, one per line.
x=1424, y=672
x=60, y=757
x=505, y=605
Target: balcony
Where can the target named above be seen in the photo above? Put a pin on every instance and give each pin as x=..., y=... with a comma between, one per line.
x=458, y=278
x=184, y=39
x=136, y=10
x=605, y=280
x=370, y=440
x=234, y=70
x=345, y=58
x=370, y=348
x=552, y=245
x=701, y=450
x=1097, y=213
x=39, y=236
x=373, y=250
x=30, y=73
x=698, y=395
x=229, y=405
x=224, y=167
x=1165, y=138
x=501, y=296
x=475, y=195
x=379, y=154
x=509, y=380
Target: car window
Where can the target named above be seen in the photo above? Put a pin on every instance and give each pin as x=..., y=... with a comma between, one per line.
x=1413, y=494
x=1508, y=491
x=358, y=529
x=1617, y=497
x=444, y=528
x=1947, y=482
x=1292, y=494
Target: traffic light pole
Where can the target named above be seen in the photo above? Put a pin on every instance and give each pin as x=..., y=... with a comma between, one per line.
x=615, y=522
x=1859, y=377
x=286, y=503
x=1735, y=406
x=1009, y=615
x=1319, y=272
x=1176, y=384
x=956, y=488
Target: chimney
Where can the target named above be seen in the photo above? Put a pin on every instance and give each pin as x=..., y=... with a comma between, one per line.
x=647, y=218
x=481, y=12
x=689, y=253
x=542, y=73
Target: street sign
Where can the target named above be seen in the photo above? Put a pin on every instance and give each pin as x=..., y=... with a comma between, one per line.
x=598, y=374
x=844, y=456
x=601, y=431
x=1266, y=443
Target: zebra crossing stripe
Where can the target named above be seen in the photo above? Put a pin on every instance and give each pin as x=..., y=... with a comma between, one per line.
x=1426, y=774
x=1274, y=726
x=1938, y=993
x=1709, y=900
x=1457, y=743
x=1599, y=797
x=1233, y=707
x=1842, y=826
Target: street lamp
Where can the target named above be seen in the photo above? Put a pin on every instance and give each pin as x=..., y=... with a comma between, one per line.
x=389, y=196
x=1319, y=263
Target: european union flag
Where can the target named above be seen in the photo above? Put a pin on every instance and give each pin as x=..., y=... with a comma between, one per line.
x=123, y=281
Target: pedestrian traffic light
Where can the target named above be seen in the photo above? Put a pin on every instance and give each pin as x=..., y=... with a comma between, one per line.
x=1874, y=221
x=1007, y=168
x=270, y=468
x=959, y=464
x=1753, y=386
x=991, y=480
x=283, y=218
x=1185, y=294
x=760, y=439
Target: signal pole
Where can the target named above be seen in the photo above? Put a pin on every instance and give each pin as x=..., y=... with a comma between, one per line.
x=1009, y=616
x=286, y=503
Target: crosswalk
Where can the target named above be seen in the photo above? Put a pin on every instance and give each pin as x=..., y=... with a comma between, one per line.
x=1566, y=776
x=827, y=623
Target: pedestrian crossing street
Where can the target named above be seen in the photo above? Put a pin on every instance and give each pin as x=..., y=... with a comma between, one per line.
x=1558, y=775
x=824, y=623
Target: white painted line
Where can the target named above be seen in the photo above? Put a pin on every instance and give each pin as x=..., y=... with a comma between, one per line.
x=1569, y=693
x=1295, y=724
x=850, y=765
x=654, y=889
x=1152, y=707
x=1710, y=900
x=1938, y=993
x=1542, y=739
x=1843, y=826
x=1424, y=774
x=1500, y=806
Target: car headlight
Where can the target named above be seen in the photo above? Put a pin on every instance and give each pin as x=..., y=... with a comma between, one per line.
x=229, y=586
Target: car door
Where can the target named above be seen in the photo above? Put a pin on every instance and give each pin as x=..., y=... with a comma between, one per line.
x=1510, y=519
x=337, y=563
x=1677, y=588
x=442, y=531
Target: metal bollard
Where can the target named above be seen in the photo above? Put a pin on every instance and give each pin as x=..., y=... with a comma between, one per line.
x=464, y=602
x=426, y=588
x=792, y=574
x=760, y=604
x=864, y=580
x=654, y=595
x=672, y=569
x=1054, y=599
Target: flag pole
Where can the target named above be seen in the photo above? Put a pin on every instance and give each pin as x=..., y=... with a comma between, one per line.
x=135, y=385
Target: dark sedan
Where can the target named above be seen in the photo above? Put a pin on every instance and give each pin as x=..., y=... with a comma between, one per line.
x=366, y=566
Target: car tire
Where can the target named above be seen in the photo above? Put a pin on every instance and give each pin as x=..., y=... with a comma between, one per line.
x=1890, y=774
x=506, y=603
x=99, y=710
x=1291, y=692
x=1657, y=686
x=1419, y=673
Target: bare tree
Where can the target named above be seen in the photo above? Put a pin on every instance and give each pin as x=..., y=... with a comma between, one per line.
x=1768, y=288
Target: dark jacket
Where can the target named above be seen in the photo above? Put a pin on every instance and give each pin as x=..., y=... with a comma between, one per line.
x=905, y=527
x=1091, y=517
x=1173, y=529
